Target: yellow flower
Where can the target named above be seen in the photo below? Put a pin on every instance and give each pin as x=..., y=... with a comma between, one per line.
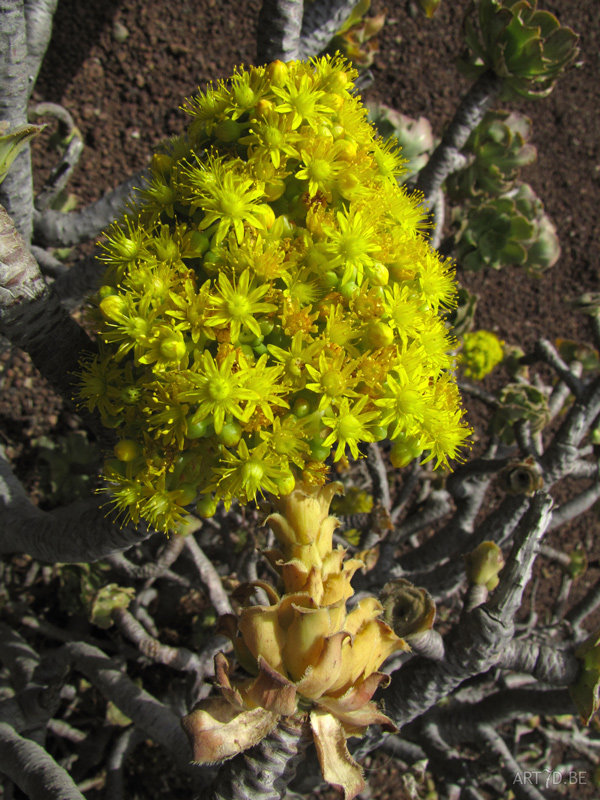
x=216, y=390
x=350, y=426
x=237, y=305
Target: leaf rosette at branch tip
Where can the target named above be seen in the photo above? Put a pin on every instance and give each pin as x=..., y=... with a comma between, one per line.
x=414, y=137
x=304, y=653
x=509, y=230
x=498, y=148
x=526, y=47
x=271, y=300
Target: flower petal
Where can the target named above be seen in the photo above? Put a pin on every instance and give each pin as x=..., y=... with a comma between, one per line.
x=337, y=765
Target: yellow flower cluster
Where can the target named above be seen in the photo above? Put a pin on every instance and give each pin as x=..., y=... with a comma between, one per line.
x=303, y=651
x=270, y=299
x=481, y=352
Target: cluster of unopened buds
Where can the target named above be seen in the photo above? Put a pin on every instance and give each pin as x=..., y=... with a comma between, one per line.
x=271, y=299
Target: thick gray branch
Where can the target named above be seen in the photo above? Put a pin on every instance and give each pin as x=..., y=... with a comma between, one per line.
x=278, y=34
x=447, y=157
x=479, y=640
x=33, y=770
x=78, y=533
x=16, y=192
x=322, y=19
x=264, y=771
x=155, y=719
x=545, y=662
x=55, y=229
x=33, y=318
x=38, y=20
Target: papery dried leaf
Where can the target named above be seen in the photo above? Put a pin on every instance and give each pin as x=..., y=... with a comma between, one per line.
x=229, y=692
x=272, y=691
x=356, y=722
x=217, y=731
x=337, y=765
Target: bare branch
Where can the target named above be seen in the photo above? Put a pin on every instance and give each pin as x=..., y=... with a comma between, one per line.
x=447, y=156
x=16, y=192
x=278, y=34
x=322, y=19
x=154, y=718
x=510, y=769
x=55, y=229
x=209, y=577
x=38, y=21
x=33, y=770
x=177, y=657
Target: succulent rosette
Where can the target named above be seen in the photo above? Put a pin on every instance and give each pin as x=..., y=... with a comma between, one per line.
x=271, y=299
x=306, y=654
x=527, y=47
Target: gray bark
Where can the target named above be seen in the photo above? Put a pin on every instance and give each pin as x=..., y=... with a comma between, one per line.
x=56, y=229
x=322, y=19
x=33, y=770
x=263, y=772
x=16, y=191
x=447, y=156
x=38, y=20
x=278, y=34
x=74, y=534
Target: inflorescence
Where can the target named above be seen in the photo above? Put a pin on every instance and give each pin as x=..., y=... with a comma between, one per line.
x=271, y=300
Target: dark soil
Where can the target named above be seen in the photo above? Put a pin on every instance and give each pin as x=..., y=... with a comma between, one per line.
x=125, y=95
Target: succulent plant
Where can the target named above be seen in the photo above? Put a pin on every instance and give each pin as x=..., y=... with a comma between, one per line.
x=481, y=351
x=526, y=47
x=462, y=317
x=304, y=652
x=498, y=148
x=510, y=230
x=270, y=299
x=413, y=136
x=585, y=692
x=12, y=142
x=519, y=401
x=356, y=38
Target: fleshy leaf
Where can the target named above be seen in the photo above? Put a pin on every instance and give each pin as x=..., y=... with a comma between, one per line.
x=585, y=692
x=13, y=142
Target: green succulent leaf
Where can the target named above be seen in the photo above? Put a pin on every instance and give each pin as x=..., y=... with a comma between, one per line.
x=106, y=601
x=509, y=230
x=585, y=692
x=12, y=142
x=525, y=46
